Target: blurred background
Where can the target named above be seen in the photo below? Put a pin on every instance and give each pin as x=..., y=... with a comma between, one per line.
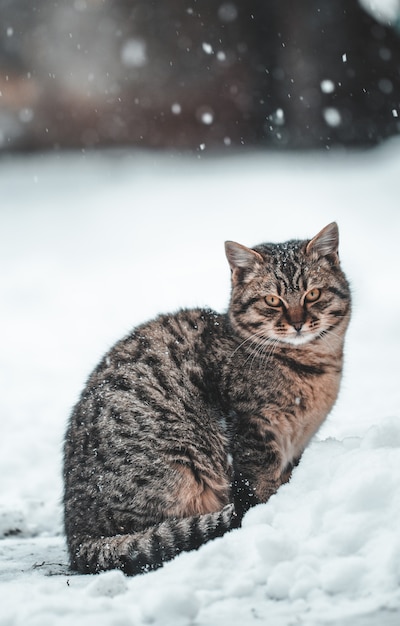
x=198, y=74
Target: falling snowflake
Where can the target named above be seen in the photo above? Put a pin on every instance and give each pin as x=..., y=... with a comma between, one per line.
x=207, y=47
x=278, y=117
x=205, y=115
x=176, y=108
x=133, y=53
x=207, y=118
x=327, y=86
x=227, y=12
x=332, y=116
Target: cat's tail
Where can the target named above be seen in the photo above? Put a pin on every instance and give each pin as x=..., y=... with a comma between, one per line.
x=149, y=549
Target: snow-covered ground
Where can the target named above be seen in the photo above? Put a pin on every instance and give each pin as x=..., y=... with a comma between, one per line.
x=90, y=246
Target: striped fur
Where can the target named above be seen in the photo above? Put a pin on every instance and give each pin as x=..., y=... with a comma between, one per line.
x=195, y=417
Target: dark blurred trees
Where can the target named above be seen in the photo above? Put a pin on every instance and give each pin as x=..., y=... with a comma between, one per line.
x=189, y=74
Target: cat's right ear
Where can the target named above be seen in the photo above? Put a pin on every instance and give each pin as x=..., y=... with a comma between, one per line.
x=326, y=243
x=241, y=259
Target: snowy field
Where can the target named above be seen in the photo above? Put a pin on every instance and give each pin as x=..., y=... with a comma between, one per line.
x=92, y=245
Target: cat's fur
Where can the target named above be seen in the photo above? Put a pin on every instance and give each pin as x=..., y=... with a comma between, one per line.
x=196, y=416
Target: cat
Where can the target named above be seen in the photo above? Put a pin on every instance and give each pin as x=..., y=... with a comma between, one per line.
x=196, y=416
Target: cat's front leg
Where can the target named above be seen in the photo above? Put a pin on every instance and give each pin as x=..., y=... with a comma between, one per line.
x=257, y=466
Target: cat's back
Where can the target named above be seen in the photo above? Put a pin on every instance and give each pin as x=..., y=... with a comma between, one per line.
x=172, y=345
x=160, y=364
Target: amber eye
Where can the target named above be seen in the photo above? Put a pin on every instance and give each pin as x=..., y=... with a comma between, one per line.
x=313, y=295
x=272, y=300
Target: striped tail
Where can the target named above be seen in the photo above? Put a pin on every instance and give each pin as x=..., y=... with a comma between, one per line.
x=149, y=549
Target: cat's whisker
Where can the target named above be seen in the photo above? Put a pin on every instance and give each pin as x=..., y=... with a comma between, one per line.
x=257, y=351
x=268, y=351
x=331, y=331
x=259, y=333
x=257, y=341
x=264, y=350
x=328, y=336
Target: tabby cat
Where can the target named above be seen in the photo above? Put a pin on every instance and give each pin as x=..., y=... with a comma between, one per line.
x=197, y=416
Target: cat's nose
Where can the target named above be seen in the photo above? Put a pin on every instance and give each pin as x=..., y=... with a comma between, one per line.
x=296, y=317
x=297, y=326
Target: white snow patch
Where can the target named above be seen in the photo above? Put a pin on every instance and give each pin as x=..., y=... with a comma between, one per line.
x=109, y=584
x=383, y=10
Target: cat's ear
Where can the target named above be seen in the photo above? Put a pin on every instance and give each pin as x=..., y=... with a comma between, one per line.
x=326, y=243
x=241, y=258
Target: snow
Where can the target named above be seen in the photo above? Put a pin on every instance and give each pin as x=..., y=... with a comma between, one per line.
x=207, y=117
x=332, y=116
x=227, y=12
x=91, y=245
x=383, y=10
x=208, y=49
x=133, y=53
x=278, y=117
x=176, y=108
x=327, y=86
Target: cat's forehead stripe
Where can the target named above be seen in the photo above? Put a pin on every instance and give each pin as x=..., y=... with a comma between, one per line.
x=289, y=270
x=289, y=264
x=291, y=275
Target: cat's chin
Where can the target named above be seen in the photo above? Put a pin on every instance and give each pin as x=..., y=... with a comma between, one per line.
x=298, y=340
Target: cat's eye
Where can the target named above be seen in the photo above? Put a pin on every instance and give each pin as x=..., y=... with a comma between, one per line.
x=313, y=295
x=272, y=300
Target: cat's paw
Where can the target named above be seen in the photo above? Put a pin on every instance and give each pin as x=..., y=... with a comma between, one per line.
x=243, y=496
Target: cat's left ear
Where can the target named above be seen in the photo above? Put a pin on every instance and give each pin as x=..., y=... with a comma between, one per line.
x=326, y=243
x=241, y=259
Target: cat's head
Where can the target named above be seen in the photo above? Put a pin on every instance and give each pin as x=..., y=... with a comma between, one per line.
x=293, y=292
